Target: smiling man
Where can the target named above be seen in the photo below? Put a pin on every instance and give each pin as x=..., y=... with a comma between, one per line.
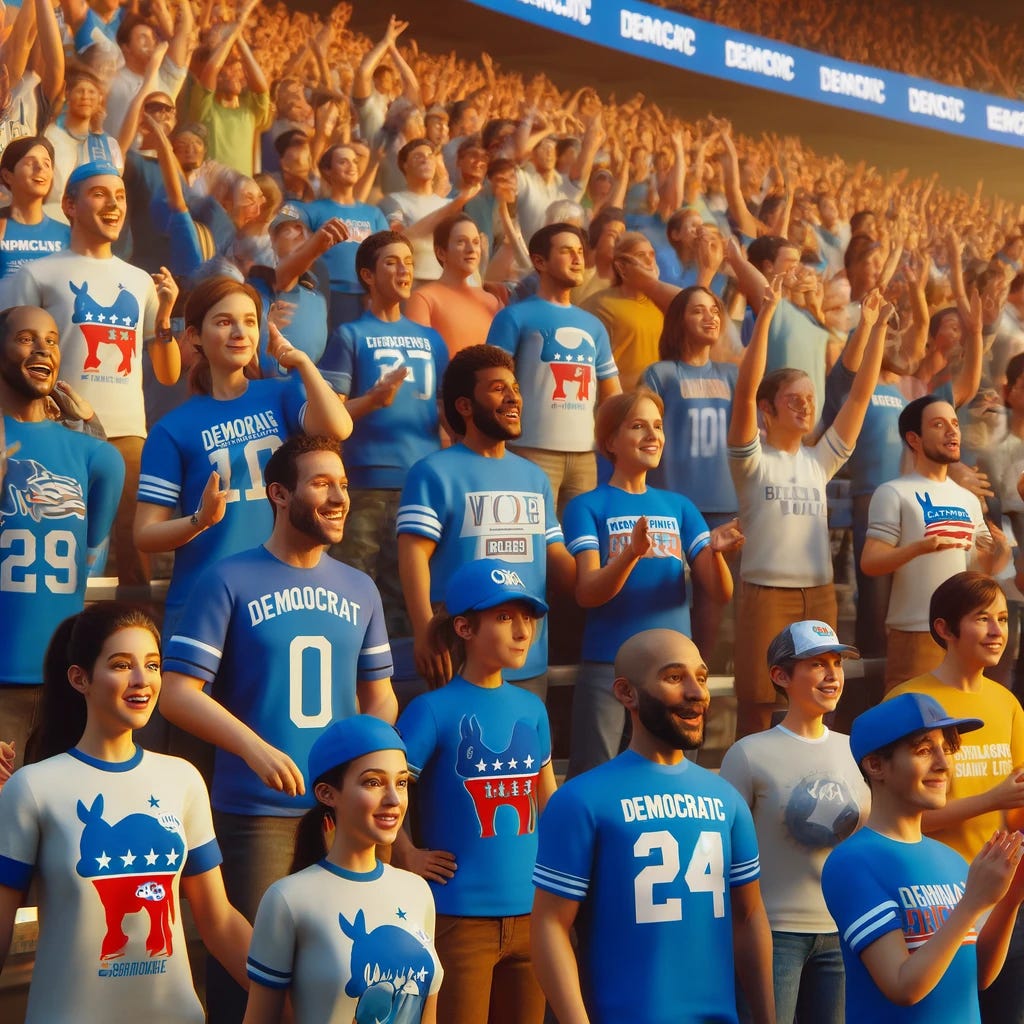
x=288, y=640
x=924, y=528
x=654, y=861
x=58, y=494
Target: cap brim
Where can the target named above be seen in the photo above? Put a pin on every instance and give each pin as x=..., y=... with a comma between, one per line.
x=535, y=604
x=960, y=724
x=845, y=649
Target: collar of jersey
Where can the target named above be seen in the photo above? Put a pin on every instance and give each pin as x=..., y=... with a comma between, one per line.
x=108, y=766
x=353, y=876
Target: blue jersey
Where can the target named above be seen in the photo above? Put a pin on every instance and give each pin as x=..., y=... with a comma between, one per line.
x=651, y=852
x=474, y=507
x=283, y=649
x=58, y=500
x=236, y=438
x=654, y=594
x=308, y=327
x=361, y=219
x=477, y=753
x=561, y=352
x=874, y=885
x=698, y=404
x=387, y=441
x=23, y=243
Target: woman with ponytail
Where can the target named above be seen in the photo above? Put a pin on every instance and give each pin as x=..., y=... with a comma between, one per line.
x=114, y=835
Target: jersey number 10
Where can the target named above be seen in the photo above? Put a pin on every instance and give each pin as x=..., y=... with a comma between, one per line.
x=704, y=873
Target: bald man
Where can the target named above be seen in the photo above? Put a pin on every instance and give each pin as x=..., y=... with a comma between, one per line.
x=654, y=860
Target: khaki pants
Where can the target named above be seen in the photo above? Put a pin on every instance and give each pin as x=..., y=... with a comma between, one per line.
x=909, y=655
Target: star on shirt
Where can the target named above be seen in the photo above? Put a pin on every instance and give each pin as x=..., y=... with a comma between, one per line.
x=104, y=860
x=497, y=765
x=128, y=859
x=513, y=763
x=172, y=857
x=401, y=914
x=528, y=761
x=151, y=857
x=153, y=802
x=481, y=765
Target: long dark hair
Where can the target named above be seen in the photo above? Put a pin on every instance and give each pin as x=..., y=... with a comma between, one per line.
x=672, y=343
x=76, y=641
x=200, y=301
x=310, y=847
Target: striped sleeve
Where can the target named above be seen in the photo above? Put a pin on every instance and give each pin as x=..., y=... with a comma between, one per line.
x=161, y=474
x=872, y=925
x=420, y=519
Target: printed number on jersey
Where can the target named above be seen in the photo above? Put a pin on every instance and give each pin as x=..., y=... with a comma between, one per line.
x=220, y=459
x=705, y=873
x=310, y=659
x=57, y=562
x=707, y=432
x=420, y=364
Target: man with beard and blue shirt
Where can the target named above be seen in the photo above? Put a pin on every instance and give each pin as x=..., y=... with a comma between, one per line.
x=654, y=861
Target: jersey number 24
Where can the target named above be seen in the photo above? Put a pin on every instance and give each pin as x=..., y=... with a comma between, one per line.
x=704, y=873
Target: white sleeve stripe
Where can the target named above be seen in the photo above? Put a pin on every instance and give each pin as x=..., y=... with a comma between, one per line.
x=739, y=876
x=699, y=543
x=198, y=643
x=745, y=863
x=379, y=649
x=871, y=924
x=572, y=886
x=418, y=508
x=881, y=908
x=266, y=976
x=585, y=543
x=159, y=481
x=302, y=415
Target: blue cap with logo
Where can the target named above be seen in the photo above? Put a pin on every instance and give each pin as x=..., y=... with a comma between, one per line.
x=486, y=583
x=900, y=717
x=348, y=739
x=806, y=639
x=92, y=169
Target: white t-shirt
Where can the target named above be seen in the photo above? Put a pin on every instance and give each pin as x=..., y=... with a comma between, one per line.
x=407, y=208
x=349, y=947
x=536, y=195
x=109, y=844
x=105, y=310
x=783, y=512
x=909, y=509
x=124, y=87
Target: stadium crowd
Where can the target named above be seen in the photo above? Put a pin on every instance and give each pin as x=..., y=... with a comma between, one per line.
x=380, y=354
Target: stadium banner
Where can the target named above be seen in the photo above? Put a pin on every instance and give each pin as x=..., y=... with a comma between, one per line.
x=655, y=33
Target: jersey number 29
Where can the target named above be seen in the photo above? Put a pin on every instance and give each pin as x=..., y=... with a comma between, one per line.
x=704, y=873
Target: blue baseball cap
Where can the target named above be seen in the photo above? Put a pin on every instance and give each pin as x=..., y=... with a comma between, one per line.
x=486, y=583
x=348, y=739
x=93, y=169
x=902, y=716
x=806, y=639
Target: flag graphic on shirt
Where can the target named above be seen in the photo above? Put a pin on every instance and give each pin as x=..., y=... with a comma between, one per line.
x=116, y=325
x=949, y=521
x=132, y=864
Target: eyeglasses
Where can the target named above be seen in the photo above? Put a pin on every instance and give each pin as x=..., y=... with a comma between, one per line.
x=158, y=108
x=798, y=403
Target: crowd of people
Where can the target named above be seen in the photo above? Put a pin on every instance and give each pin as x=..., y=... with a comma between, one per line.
x=910, y=38
x=385, y=354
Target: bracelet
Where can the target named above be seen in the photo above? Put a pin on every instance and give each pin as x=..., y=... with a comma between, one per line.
x=164, y=334
x=194, y=519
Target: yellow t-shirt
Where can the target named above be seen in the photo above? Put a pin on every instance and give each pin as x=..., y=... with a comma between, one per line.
x=634, y=327
x=986, y=756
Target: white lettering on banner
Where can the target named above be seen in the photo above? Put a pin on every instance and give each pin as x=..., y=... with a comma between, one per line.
x=574, y=10
x=770, y=63
x=935, y=104
x=1005, y=120
x=862, y=87
x=669, y=35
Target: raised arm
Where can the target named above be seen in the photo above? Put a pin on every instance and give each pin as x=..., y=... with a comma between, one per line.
x=968, y=376
x=182, y=41
x=743, y=422
x=211, y=69
x=850, y=417
x=752, y=283
x=50, y=51
x=410, y=83
x=362, y=83
x=744, y=220
x=132, y=116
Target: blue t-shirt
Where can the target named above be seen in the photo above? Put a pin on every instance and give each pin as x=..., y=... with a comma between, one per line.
x=308, y=327
x=95, y=30
x=561, y=352
x=474, y=507
x=361, y=219
x=283, y=648
x=698, y=404
x=874, y=885
x=651, y=852
x=477, y=753
x=23, y=243
x=387, y=441
x=57, y=503
x=236, y=438
x=654, y=594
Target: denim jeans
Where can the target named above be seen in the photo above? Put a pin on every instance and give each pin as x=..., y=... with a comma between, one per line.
x=488, y=977
x=598, y=719
x=807, y=972
x=257, y=852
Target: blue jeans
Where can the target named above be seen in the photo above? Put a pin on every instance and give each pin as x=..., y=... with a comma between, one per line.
x=809, y=980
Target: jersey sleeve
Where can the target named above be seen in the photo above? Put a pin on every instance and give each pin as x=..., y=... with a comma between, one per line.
x=272, y=952
x=746, y=863
x=831, y=452
x=504, y=331
x=19, y=836
x=552, y=528
x=337, y=364
x=566, y=846
x=862, y=909
x=695, y=533
x=203, y=850
x=651, y=379
x=374, y=661
x=197, y=647
x=391, y=210
x=418, y=727
x=605, y=362
x=162, y=474
x=745, y=460
x=580, y=527
x=295, y=403
x=106, y=480
x=884, y=515
x=417, y=510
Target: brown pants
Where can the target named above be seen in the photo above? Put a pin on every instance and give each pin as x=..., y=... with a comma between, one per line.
x=909, y=655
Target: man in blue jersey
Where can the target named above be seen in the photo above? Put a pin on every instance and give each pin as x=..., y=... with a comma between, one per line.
x=477, y=500
x=563, y=359
x=387, y=368
x=339, y=173
x=58, y=494
x=288, y=640
x=894, y=892
x=654, y=861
